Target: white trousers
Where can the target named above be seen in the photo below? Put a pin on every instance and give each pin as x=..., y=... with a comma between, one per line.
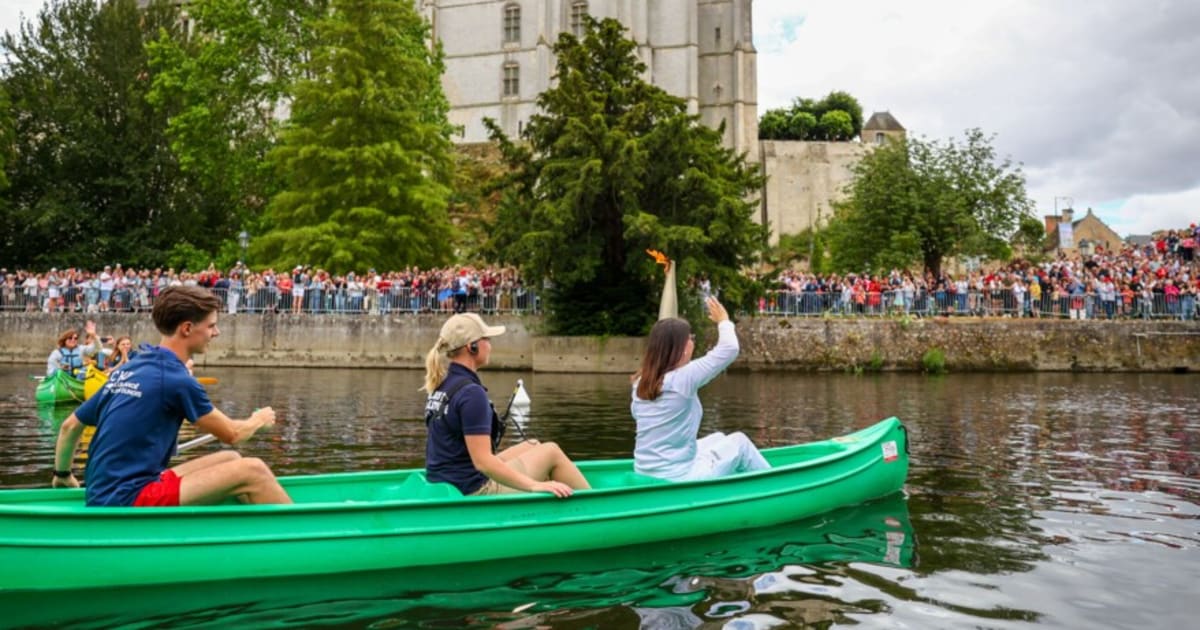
x=718, y=455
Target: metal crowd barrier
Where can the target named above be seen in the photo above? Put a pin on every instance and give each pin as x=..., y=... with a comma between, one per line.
x=272, y=299
x=392, y=301
x=997, y=303
x=990, y=303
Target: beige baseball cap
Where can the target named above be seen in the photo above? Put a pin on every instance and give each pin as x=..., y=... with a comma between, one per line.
x=464, y=328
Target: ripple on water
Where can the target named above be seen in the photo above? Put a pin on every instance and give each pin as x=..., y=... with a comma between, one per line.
x=1048, y=500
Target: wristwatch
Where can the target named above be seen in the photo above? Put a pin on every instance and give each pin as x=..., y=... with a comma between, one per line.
x=62, y=474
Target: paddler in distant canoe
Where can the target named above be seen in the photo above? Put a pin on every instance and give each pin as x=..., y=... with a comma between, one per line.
x=137, y=416
x=68, y=356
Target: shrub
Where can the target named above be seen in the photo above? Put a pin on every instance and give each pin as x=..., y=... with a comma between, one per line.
x=934, y=361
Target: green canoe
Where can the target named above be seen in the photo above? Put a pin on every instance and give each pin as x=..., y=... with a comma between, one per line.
x=395, y=519
x=60, y=387
x=652, y=575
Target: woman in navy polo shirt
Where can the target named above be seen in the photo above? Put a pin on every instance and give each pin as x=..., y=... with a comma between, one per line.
x=464, y=431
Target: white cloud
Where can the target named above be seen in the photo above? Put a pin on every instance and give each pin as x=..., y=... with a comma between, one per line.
x=1099, y=100
x=1143, y=214
x=11, y=12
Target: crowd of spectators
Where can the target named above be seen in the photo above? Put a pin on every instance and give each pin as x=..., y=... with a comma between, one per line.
x=1160, y=279
x=302, y=289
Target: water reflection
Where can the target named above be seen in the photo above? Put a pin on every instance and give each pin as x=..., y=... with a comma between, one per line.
x=704, y=576
x=1066, y=500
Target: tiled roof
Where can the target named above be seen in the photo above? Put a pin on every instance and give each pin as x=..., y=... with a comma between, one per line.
x=883, y=121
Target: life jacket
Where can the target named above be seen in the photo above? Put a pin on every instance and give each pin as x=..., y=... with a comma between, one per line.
x=72, y=358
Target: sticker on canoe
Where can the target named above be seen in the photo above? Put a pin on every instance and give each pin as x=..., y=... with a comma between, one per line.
x=890, y=453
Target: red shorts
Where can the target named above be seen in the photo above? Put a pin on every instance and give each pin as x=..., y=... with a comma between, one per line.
x=161, y=493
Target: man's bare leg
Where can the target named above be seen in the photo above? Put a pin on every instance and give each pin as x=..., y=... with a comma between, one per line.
x=212, y=459
x=203, y=483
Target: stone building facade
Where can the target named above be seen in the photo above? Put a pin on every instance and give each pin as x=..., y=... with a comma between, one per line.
x=805, y=179
x=1085, y=236
x=499, y=57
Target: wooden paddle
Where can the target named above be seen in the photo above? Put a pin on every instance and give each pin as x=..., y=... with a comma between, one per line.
x=191, y=444
x=194, y=442
x=206, y=380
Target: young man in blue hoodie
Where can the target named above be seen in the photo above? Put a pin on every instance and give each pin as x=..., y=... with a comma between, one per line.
x=137, y=416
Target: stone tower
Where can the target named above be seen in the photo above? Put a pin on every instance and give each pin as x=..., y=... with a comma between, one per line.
x=499, y=57
x=880, y=127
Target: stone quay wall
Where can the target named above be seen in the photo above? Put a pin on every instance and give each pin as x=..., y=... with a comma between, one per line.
x=768, y=343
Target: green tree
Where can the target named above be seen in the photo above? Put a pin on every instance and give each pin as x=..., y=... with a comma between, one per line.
x=1030, y=237
x=806, y=119
x=774, y=124
x=806, y=245
x=223, y=88
x=801, y=126
x=836, y=125
x=612, y=166
x=93, y=179
x=916, y=202
x=479, y=173
x=6, y=137
x=366, y=153
x=843, y=101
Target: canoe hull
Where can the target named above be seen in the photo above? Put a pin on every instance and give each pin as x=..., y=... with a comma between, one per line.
x=96, y=378
x=357, y=525
x=877, y=532
x=59, y=388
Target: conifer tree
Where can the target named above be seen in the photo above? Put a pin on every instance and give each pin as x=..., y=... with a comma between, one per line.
x=611, y=166
x=366, y=154
x=5, y=136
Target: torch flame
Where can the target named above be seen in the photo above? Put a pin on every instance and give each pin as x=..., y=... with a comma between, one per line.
x=669, y=305
x=659, y=258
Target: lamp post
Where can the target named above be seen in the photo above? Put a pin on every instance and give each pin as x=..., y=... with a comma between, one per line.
x=244, y=240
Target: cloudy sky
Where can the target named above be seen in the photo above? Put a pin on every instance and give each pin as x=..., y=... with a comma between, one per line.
x=1099, y=100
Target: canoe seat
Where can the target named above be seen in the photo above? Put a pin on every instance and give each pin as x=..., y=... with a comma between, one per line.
x=416, y=487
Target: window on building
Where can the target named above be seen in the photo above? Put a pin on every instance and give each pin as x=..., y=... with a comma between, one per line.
x=879, y=138
x=718, y=36
x=578, y=11
x=512, y=79
x=512, y=24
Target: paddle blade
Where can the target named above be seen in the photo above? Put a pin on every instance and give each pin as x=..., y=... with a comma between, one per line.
x=206, y=380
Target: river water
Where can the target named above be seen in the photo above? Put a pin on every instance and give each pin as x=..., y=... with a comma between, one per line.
x=1034, y=500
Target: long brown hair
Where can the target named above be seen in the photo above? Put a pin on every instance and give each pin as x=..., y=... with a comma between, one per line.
x=664, y=348
x=66, y=334
x=124, y=356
